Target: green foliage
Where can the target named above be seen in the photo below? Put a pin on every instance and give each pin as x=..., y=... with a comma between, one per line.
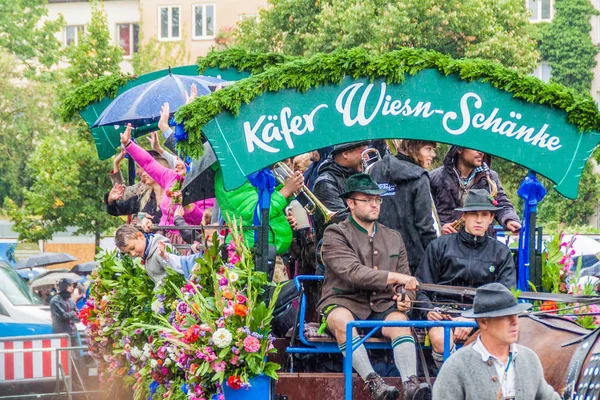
x=242, y=60
x=461, y=28
x=25, y=117
x=91, y=92
x=567, y=45
x=95, y=55
x=68, y=187
x=28, y=34
x=324, y=69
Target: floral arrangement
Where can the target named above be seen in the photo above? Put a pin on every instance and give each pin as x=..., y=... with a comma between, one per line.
x=182, y=340
x=557, y=277
x=220, y=325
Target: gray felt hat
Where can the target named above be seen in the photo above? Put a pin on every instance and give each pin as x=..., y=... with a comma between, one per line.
x=478, y=200
x=495, y=300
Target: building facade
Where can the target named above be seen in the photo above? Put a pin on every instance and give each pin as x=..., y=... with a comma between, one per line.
x=123, y=18
x=198, y=25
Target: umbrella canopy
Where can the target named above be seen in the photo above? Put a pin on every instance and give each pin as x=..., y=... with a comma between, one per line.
x=141, y=104
x=84, y=268
x=52, y=278
x=199, y=183
x=43, y=259
x=30, y=273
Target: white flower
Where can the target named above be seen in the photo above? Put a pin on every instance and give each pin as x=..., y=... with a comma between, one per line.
x=233, y=277
x=135, y=352
x=222, y=338
x=167, y=362
x=156, y=306
x=153, y=363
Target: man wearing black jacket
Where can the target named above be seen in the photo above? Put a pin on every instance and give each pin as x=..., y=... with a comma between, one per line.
x=345, y=160
x=63, y=309
x=464, y=169
x=467, y=258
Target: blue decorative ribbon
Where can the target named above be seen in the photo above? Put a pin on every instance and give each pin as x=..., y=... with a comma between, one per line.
x=265, y=182
x=153, y=386
x=532, y=192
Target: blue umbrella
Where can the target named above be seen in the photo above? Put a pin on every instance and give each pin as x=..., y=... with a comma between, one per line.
x=141, y=104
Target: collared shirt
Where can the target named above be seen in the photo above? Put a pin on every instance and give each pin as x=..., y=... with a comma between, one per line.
x=475, y=171
x=506, y=373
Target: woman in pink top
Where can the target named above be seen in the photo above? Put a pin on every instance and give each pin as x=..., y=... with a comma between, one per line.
x=166, y=177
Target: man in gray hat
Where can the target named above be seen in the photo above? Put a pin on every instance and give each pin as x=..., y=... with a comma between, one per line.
x=494, y=366
x=344, y=161
x=467, y=258
x=364, y=260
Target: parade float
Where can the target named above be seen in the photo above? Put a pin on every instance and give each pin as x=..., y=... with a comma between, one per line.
x=202, y=338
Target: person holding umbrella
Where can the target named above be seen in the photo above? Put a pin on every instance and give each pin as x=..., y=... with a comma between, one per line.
x=63, y=309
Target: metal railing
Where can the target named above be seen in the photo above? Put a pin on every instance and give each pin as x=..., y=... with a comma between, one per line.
x=376, y=325
x=61, y=376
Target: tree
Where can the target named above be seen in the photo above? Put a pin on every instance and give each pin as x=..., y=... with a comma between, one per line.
x=26, y=33
x=69, y=182
x=153, y=55
x=95, y=55
x=25, y=117
x=491, y=29
x=567, y=45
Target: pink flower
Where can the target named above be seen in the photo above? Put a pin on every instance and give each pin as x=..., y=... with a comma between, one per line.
x=240, y=299
x=251, y=344
x=223, y=281
x=218, y=366
x=234, y=360
x=227, y=311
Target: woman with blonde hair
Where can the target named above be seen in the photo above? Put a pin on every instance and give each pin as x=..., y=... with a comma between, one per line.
x=407, y=206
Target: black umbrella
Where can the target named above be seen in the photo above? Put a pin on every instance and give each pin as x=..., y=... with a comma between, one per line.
x=84, y=268
x=42, y=259
x=199, y=183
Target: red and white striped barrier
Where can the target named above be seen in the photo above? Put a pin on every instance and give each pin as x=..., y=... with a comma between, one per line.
x=32, y=357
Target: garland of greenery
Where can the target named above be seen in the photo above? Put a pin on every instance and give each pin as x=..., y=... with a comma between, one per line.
x=108, y=86
x=92, y=92
x=242, y=60
x=322, y=69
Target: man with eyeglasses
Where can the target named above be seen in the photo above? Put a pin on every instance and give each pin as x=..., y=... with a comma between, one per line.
x=364, y=261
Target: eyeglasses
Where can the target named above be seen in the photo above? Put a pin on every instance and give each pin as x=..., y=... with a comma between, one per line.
x=377, y=200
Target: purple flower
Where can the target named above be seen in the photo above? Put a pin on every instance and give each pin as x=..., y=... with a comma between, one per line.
x=182, y=307
x=223, y=281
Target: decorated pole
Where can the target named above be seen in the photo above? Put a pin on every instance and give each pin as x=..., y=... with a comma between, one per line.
x=532, y=192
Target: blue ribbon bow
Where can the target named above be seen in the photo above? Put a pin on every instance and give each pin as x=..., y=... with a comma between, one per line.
x=153, y=386
x=265, y=182
x=532, y=192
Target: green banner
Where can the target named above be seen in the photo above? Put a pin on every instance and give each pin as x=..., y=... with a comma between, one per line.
x=427, y=106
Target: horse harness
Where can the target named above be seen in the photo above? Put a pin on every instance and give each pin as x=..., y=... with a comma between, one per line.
x=588, y=378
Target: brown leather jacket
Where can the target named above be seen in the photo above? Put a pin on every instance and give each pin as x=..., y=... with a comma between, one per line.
x=357, y=266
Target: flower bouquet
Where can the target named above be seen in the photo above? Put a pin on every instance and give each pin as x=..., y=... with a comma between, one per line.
x=220, y=324
x=174, y=192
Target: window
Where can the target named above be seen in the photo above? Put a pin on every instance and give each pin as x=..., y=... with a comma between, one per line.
x=204, y=21
x=543, y=71
x=127, y=37
x=169, y=23
x=73, y=33
x=541, y=10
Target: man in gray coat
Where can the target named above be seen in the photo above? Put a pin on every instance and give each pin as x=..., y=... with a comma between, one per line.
x=364, y=260
x=494, y=367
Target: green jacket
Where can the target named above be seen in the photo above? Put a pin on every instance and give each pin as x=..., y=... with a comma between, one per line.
x=241, y=202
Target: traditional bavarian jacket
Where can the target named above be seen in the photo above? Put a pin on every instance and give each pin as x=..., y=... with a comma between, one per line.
x=462, y=259
x=357, y=267
x=466, y=376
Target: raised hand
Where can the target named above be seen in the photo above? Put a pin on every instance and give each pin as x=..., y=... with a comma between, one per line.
x=193, y=94
x=147, y=225
x=118, y=158
x=154, y=142
x=116, y=193
x=163, y=122
x=126, y=136
x=161, y=250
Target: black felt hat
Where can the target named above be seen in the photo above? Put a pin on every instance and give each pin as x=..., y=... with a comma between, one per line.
x=340, y=148
x=478, y=200
x=362, y=183
x=495, y=300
